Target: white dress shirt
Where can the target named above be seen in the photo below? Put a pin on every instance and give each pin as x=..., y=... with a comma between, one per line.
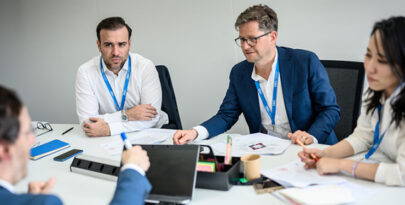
x=7, y=185
x=94, y=100
x=282, y=125
x=134, y=167
x=391, y=152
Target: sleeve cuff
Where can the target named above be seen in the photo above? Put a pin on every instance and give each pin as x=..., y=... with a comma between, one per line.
x=202, y=133
x=389, y=174
x=113, y=117
x=315, y=140
x=133, y=167
x=115, y=128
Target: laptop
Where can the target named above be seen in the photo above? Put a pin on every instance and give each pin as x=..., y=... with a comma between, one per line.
x=172, y=173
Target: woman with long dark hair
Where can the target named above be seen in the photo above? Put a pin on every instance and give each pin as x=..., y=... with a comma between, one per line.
x=380, y=131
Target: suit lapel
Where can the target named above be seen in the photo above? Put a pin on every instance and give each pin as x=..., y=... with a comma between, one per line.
x=252, y=98
x=287, y=79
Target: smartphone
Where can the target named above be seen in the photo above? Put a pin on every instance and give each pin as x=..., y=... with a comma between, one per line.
x=68, y=155
x=267, y=186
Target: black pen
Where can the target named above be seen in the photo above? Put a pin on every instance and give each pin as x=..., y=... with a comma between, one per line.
x=67, y=131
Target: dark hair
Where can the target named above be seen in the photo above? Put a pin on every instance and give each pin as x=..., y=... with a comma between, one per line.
x=112, y=23
x=392, y=36
x=10, y=109
x=262, y=14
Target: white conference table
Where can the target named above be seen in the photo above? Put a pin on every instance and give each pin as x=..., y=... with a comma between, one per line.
x=74, y=188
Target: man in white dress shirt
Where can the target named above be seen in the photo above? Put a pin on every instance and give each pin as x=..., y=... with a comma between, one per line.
x=118, y=91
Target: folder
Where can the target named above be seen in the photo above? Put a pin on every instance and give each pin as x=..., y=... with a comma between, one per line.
x=47, y=149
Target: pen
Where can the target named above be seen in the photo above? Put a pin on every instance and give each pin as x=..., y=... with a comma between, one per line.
x=228, y=156
x=67, y=130
x=127, y=143
x=298, y=141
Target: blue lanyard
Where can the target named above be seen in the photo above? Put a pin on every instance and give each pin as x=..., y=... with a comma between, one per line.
x=377, y=139
x=124, y=92
x=271, y=114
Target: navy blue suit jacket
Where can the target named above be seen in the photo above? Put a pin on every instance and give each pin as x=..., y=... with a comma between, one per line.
x=132, y=188
x=310, y=101
x=9, y=198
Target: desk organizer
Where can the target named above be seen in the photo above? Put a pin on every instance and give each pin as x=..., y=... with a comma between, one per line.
x=222, y=180
x=96, y=167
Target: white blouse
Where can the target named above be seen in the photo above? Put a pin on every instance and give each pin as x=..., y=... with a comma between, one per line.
x=391, y=152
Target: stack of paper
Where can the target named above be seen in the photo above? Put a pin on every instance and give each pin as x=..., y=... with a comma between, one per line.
x=323, y=194
x=148, y=136
x=257, y=143
x=295, y=175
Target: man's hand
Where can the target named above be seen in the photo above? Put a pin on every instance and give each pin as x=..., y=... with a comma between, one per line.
x=305, y=137
x=97, y=128
x=141, y=112
x=184, y=136
x=136, y=155
x=41, y=187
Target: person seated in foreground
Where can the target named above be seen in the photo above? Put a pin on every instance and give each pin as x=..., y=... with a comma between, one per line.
x=16, y=139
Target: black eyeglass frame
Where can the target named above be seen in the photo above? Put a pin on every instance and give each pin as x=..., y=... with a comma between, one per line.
x=47, y=126
x=253, y=40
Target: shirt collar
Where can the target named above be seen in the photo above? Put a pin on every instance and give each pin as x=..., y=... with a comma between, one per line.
x=7, y=185
x=383, y=98
x=257, y=77
x=125, y=67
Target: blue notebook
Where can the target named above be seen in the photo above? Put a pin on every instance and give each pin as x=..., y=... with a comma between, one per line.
x=47, y=149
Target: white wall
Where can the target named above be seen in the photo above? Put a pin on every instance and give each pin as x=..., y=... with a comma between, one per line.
x=43, y=42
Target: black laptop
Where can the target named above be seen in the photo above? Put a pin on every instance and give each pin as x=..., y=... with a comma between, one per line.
x=172, y=173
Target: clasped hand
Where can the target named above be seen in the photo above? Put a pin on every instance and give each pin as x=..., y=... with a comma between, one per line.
x=141, y=112
x=303, y=136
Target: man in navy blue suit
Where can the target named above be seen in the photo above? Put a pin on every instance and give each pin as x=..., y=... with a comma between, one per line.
x=279, y=90
x=16, y=140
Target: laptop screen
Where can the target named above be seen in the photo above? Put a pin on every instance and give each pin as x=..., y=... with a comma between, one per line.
x=173, y=169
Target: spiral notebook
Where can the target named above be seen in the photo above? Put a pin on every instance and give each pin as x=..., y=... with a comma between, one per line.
x=47, y=149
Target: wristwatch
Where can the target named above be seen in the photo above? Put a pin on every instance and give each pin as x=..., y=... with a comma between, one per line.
x=124, y=116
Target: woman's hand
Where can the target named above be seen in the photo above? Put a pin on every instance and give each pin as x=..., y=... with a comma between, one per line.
x=306, y=157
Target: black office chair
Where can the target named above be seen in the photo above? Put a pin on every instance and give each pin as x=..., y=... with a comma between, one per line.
x=169, y=104
x=347, y=80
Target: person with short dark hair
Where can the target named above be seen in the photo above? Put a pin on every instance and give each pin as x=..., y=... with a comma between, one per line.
x=280, y=91
x=380, y=131
x=16, y=139
x=118, y=91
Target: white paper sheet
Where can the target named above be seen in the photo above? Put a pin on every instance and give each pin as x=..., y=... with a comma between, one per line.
x=257, y=143
x=320, y=194
x=113, y=147
x=346, y=192
x=148, y=136
x=359, y=192
x=294, y=174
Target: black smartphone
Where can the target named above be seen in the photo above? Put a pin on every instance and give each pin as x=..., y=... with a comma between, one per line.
x=267, y=186
x=68, y=154
x=270, y=183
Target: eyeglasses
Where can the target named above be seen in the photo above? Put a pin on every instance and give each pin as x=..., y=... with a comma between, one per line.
x=44, y=126
x=252, y=41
